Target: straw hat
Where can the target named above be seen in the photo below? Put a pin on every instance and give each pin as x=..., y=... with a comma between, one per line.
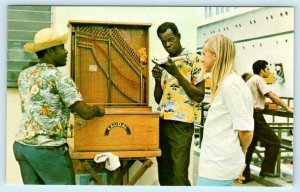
x=44, y=39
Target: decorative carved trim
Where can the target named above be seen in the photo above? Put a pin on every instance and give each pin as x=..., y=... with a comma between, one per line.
x=115, y=36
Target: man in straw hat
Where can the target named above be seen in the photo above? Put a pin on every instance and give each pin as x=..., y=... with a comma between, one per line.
x=47, y=98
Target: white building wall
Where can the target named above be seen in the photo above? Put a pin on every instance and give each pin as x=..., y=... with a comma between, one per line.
x=13, y=174
x=213, y=14
x=260, y=33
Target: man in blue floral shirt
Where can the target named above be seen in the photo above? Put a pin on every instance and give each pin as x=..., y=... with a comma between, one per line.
x=47, y=98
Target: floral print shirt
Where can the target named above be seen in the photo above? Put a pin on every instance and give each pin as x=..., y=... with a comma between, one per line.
x=46, y=95
x=175, y=104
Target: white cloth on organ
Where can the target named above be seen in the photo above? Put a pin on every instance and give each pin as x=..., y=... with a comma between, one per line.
x=112, y=161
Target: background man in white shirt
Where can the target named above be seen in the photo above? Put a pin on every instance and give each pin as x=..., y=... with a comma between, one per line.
x=262, y=131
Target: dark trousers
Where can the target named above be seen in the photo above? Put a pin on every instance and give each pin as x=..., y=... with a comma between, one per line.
x=45, y=165
x=175, y=143
x=271, y=142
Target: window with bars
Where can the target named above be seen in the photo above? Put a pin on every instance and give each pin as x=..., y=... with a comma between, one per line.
x=22, y=24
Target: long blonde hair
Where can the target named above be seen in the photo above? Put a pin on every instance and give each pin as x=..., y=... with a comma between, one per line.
x=224, y=49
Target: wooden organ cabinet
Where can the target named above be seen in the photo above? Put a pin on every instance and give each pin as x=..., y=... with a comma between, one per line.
x=109, y=65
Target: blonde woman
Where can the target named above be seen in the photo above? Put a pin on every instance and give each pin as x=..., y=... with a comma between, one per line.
x=228, y=129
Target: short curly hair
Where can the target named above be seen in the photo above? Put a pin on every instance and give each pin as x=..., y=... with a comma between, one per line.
x=167, y=25
x=258, y=66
